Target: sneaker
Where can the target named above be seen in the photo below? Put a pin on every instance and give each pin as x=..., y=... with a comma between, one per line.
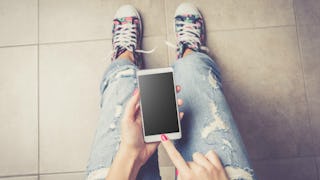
x=127, y=33
x=189, y=29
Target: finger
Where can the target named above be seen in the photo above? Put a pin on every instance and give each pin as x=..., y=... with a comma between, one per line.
x=131, y=106
x=138, y=117
x=178, y=88
x=180, y=102
x=214, y=159
x=181, y=114
x=191, y=164
x=202, y=161
x=196, y=168
x=137, y=107
x=174, y=155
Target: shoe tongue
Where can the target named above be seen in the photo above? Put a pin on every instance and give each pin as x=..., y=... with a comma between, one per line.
x=193, y=46
x=118, y=52
x=184, y=45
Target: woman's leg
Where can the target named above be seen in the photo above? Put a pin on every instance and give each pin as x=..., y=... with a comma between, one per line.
x=208, y=122
x=117, y=87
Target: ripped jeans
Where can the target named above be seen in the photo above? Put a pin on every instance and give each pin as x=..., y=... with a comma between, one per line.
x=207, y=123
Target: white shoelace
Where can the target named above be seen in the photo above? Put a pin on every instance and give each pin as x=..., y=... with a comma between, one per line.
x=188, y=33
x=127, y=38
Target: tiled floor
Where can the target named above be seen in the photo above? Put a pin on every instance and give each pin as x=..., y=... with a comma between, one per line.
x=53, y=54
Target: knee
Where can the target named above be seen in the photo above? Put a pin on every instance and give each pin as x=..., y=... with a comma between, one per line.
x=196, y=64
x=196, y=59
x=191, y=60
x=118, y=72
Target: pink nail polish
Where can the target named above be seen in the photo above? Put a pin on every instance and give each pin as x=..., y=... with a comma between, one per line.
x=177, y=172
x=164, y=137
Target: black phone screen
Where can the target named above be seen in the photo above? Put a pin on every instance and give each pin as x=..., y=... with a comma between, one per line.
x=159, y=109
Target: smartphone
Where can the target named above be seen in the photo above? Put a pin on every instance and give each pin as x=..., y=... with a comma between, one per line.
x=158, y=104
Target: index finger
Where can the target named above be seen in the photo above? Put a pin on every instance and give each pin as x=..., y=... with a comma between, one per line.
x=174, y=155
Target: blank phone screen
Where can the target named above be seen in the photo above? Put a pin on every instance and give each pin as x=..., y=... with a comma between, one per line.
x=159, y=110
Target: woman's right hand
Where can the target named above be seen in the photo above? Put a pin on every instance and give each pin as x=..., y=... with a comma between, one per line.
x=202, y=167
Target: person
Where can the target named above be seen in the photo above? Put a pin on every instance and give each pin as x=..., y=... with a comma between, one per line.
x=210, y=147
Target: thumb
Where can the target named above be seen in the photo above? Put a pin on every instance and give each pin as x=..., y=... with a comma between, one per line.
x=132, y=104
x=174, y=154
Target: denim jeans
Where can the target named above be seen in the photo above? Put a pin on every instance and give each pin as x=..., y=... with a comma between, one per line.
x=207, y=124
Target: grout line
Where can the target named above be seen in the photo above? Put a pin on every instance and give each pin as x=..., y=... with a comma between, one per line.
x=295, y=138
x=283, y=158
x=20, y=175
x=251, y=28
x=303, y=77
x=38, y=83
x=53, y=43
x=38, y=174
x=19, y=45
x=166, y=35
x=75, y=41
x=67, y=172
x=88, y=40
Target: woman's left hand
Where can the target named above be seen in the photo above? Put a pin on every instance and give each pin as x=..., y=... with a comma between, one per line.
x=131, y=130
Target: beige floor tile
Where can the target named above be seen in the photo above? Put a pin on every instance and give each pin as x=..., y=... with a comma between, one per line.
x=172, y=54
x=70, y=75
x=67, y=176
x=264, y=86
x=159, y=58
x=253, y=53
x=92, y=19
x=280, y=169
x=18, y=111
x=231, y=14
x=18, y=22
x=310, y=42
x=167, y=172
x=21, y=178
x=307, y=12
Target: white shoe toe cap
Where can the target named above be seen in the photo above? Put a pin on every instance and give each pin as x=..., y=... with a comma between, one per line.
x=126, y=11
x=186, y=8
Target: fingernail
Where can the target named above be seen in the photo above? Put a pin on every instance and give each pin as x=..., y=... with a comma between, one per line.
x=135, y=91
x=164, y=137
x=177, y=172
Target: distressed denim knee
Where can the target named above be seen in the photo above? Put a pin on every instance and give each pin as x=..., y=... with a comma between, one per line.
x=199, y=63
x=208, y=123
x=117, y=85
x=119, y=81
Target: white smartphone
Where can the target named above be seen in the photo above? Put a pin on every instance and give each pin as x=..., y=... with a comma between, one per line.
x=158, y=104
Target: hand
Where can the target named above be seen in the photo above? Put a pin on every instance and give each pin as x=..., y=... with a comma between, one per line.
x=202, y=167
x=131, y=130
